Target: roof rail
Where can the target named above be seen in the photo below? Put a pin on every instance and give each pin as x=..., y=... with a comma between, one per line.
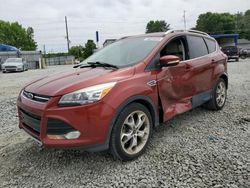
x=172, y=31
x=169, y=31
x=191, y=31
x=199, y=32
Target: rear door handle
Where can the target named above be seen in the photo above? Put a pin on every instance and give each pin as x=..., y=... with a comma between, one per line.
x=212, y=64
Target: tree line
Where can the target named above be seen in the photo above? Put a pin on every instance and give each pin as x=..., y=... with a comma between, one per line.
x=221, y=23
x=80, y=52
x=212, y=23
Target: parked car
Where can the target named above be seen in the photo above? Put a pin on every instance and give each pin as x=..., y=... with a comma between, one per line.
x=232, y=52
x=245, y=53
x=14, y=65
x=117, y=96
x=1, y=64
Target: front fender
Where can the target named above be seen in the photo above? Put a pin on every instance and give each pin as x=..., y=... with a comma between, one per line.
x=125, y=93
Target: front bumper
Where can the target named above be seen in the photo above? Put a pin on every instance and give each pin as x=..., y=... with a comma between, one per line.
x=92, y=121
x=233, y=56
x=12, y=69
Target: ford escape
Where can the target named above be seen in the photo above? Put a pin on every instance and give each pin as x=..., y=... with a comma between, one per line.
x=114, y=98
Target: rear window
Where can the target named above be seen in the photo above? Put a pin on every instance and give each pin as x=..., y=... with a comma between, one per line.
x=197, y=47
x=211, y=45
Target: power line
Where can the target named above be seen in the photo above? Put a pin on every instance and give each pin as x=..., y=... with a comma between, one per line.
x=37, y=29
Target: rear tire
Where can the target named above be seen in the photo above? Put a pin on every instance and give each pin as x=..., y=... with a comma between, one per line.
x=131, y=132
x=4, y=72
x=237, y=59
x=219, y=96
x=243, y=56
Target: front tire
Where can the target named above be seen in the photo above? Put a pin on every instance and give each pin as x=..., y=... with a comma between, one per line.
x=219, y=96
x=131, y=132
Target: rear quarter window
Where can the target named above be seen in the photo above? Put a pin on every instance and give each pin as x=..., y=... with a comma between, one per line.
x=211, y=45
x=197, y=47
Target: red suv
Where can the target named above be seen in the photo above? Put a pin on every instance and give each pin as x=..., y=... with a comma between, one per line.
x=117, y=96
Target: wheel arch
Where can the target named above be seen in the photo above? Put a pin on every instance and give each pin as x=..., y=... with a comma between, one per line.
x=225, y=78
x=144, y=100
x=150, y=108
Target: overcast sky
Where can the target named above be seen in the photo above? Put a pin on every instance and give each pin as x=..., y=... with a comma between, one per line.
x=112, y=18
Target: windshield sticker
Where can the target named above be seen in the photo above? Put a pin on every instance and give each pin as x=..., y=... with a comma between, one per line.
x=153, y=39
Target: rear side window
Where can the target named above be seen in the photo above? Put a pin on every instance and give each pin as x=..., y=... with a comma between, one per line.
x=211, y=45
x=197, y=47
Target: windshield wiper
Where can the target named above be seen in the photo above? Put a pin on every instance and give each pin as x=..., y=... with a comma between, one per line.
x=95, y=64
x=101, y=64
x=81, y=66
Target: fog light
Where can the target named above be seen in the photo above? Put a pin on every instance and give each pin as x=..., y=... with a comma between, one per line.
x=70, y=135
x=55, y=137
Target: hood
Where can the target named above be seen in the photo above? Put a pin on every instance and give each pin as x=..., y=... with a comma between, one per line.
x=75, y=79
x=12, y=64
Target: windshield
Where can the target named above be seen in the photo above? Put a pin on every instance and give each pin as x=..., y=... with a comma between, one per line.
x=125, y=52
x=13, y=60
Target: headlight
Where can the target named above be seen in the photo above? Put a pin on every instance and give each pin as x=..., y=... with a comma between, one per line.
x=86, y=95
x=19, y=66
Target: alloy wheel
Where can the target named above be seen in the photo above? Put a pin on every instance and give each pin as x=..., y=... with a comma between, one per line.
x=221, y=94
x=135, y=132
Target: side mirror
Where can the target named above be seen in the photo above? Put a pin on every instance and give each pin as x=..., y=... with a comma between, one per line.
x=169, y=60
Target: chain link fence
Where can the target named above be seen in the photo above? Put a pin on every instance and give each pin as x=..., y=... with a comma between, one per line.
x=61, y=60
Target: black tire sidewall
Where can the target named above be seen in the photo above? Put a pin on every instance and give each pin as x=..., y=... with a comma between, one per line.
x=243, y=57
x=116, y=147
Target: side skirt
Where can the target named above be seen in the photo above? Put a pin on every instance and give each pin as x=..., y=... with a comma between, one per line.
x=201, y=98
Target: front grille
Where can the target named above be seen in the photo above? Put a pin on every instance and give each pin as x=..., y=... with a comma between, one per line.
x=35, y=97
x=30, y=120
x=10, y=67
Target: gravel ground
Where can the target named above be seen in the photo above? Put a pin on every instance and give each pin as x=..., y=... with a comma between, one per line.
x=197, y=149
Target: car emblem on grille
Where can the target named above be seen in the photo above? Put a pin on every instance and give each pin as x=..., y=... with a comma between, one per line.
x=30, y=95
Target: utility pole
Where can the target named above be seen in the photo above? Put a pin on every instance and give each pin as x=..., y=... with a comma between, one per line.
x=67, y=32
x=184, y=18
x=237, y=22
x=44, y=55
x=44, y=50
